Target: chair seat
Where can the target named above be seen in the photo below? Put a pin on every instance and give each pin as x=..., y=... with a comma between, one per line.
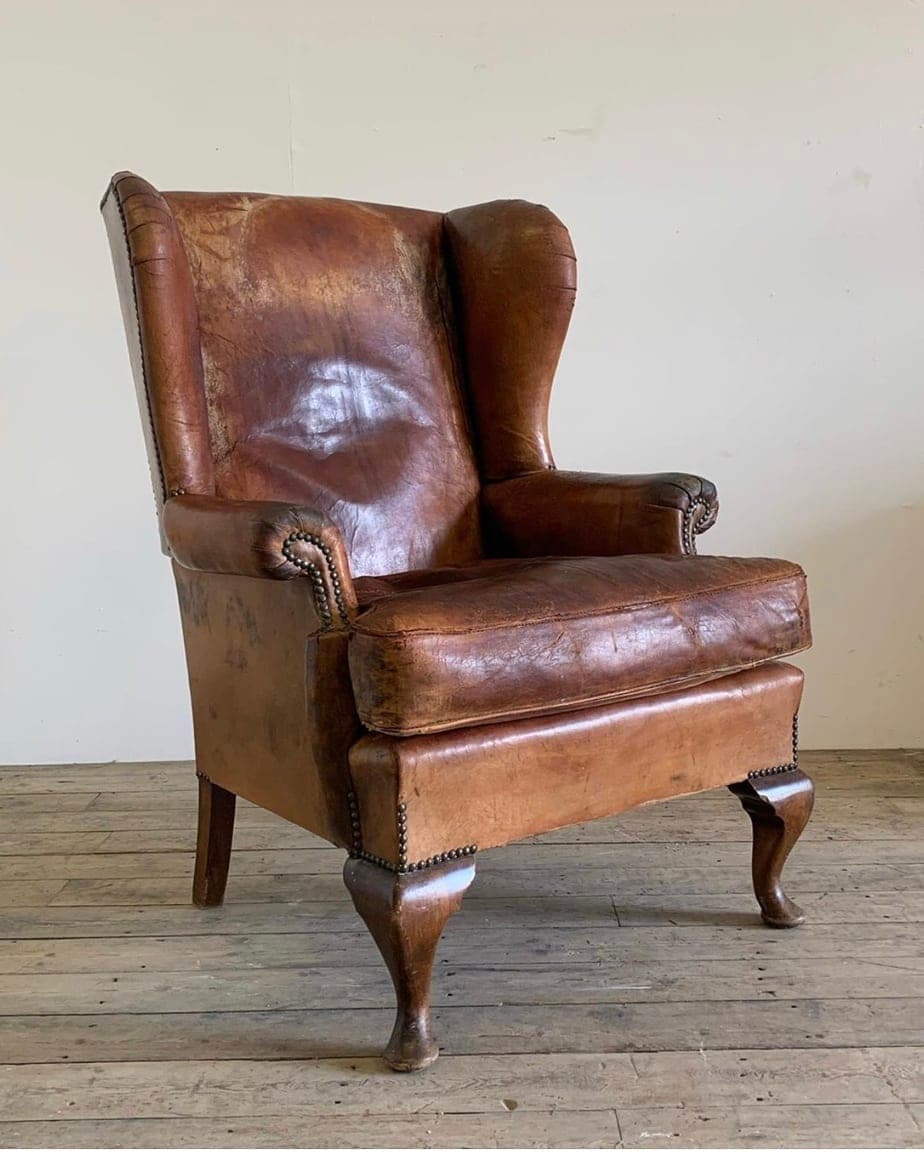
x=502, y=639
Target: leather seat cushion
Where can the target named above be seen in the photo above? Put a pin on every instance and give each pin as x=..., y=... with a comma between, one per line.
x=502, y=639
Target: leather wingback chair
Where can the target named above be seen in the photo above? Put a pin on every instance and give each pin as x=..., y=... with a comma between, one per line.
x=405, y=629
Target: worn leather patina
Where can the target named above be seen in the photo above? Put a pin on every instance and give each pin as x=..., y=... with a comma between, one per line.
x=406, y=630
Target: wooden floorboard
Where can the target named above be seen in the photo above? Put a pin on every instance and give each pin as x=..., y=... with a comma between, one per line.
x=607, y=985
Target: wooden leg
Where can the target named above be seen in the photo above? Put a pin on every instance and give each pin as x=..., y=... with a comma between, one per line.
x=213, y=849
x=406, y=914
x=779, y=806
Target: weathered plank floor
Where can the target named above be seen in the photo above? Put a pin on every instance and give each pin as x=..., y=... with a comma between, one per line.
x=605, y=985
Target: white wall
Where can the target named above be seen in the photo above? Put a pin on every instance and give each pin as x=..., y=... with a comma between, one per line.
x=743, y=182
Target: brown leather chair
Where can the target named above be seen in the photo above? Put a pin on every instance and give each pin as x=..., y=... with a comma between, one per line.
x=406, y=630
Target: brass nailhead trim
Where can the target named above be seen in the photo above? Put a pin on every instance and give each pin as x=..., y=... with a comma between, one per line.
x=356, y=840
x=693, y=524
x=418, y=865
x=441, y=858
x=402, y=837
x=403, y=866
x=317, y=576
x=777, y=768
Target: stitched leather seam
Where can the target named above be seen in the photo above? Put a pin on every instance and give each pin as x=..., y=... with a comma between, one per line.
x=575, y=705
x=560, y=618
x=144, y=370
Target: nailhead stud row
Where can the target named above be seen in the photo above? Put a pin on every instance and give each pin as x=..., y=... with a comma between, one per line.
x=441, y=858
x=402, y=837
x=690, y=528
x=776, y=769
x=357, y=838
x=377, y=860
x=418, y=865
x=402, y=867
x=316, y=576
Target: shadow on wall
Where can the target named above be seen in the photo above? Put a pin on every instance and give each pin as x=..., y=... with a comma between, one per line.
x=866, y=588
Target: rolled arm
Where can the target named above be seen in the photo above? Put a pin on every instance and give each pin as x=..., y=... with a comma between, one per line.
x=264, y=538
x=553, y=513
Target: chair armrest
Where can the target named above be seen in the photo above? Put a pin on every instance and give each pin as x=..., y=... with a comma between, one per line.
x=264, y=538
x=588, y=514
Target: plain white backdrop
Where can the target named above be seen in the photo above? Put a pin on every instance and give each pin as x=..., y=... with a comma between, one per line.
x=744, y=186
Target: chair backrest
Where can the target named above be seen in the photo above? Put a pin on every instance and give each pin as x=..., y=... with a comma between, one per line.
x=315, y=351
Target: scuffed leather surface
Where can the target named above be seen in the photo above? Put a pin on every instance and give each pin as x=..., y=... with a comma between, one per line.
x=547, y=635
x=343, y=370
x=260, y=538
x=272, y=704
x=587, y=514
x=162, y=329
x=501, y=782
x=330, y=370
x=515, y=276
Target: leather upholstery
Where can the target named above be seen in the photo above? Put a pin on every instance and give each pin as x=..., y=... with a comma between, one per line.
x=586, y=514
x=490, y=785
x=161, y=324
x=331, y=370
x=264, y=538
x=272, y=704
x=346, y=412
x=538, y=636
x=515, y=275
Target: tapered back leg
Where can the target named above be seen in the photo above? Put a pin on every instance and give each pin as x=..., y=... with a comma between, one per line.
x=213, y=848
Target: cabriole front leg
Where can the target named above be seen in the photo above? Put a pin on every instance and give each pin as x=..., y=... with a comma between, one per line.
x=406, y=913
x=779, y=806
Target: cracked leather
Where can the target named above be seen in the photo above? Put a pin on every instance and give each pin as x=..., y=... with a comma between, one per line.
x=386, y=586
